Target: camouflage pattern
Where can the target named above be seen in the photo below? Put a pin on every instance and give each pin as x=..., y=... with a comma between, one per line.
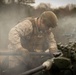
x=26, y=38
x=23, y=35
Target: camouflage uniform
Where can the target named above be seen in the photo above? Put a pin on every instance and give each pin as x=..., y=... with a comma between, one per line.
x=26, y=35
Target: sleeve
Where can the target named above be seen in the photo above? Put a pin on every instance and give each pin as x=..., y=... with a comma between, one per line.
x=52, y=43
x=24, y=28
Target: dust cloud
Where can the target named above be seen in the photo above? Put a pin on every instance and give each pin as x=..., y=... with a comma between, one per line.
x=11, y=14
x=66, y=29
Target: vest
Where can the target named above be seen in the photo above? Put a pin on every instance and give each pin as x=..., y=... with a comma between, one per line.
x=36, y=40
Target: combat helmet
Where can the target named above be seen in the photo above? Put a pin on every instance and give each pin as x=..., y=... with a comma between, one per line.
x=49, y=19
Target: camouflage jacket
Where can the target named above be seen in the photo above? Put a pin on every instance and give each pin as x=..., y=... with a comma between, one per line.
x=26, y=35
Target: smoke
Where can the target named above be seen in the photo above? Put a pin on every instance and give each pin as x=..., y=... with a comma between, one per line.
x=43, y=6
x=10, y=15
x=66, y=29
x=66, y=25
x=66, y=21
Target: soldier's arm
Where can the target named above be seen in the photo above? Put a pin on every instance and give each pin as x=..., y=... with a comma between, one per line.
x=52, y=43
x=24, y=28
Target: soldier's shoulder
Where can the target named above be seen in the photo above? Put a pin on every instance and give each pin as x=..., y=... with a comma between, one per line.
x=24, y=23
